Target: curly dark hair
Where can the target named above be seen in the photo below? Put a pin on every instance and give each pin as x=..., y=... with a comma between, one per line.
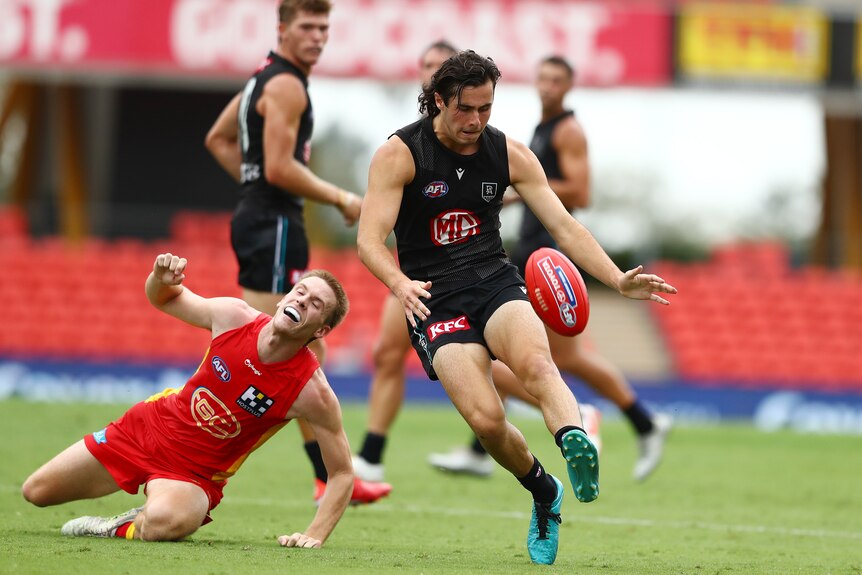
x=466, y=69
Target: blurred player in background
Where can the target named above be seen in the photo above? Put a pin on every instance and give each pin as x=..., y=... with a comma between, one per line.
x=438, y=183
x=263, y=140
x=183, y=444
x=386, y=393
x=560, y=145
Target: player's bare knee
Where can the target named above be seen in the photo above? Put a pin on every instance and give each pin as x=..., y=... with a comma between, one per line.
x=387, y=359
x=536, y=371
x=488, y=426
x=162, y=525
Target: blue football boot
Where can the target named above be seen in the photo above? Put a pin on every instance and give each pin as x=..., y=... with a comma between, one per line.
x=583, y=465
x=544, y=535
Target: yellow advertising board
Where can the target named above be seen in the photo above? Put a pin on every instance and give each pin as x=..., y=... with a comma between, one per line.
x=769, y=43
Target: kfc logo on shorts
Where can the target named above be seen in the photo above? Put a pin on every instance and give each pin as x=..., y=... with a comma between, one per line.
x=453, y=226
x=448, y=326
x=436, y=189
x=220, y=369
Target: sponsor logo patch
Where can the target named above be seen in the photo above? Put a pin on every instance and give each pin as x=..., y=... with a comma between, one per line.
x=561, y=289
x=436, y=189
x=212, y=415
x=220, y=368
x=254, y=401
x=100, y=436
x=454, y=226
x=448, y=326
x=489, y=191
x=251, y=366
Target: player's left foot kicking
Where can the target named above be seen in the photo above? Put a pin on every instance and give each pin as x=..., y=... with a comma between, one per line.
x=583, y=465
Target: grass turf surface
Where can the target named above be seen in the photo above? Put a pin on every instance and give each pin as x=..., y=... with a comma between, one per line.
x=727, y=500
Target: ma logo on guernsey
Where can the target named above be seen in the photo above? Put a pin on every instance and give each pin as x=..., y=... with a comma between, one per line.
x=454, y=226
x=448, y=326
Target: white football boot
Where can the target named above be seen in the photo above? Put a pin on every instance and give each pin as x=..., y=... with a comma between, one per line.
x=651, y=446
x=365, y=471
x=90, y=526
x=463, y=460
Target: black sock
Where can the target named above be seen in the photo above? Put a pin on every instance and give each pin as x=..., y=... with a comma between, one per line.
x=312, y=448
x=639, y=417
x=477, y=447
x=539, y=483
x=372, y=447
x=558, y=436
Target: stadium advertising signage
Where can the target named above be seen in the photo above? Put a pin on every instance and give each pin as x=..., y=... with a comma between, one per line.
x=857, y=55
x=610, y=43
x=753, y=43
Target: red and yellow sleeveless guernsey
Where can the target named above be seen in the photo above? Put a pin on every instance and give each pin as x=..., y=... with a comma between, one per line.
x=231, y=405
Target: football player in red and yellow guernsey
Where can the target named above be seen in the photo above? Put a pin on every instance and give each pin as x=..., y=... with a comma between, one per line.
x=183, y=444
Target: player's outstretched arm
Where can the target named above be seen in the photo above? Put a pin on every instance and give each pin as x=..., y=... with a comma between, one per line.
x=318, y=405
x=638, y=285
x=391, y=168
x=574, y=239
x=165, y=291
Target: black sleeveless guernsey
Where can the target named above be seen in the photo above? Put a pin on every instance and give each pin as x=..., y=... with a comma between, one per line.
x=254, y=187
x=532, y=234
x=448, y=226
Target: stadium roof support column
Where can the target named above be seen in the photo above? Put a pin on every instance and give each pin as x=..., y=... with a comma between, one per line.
x=74, y=224
x=839, y=239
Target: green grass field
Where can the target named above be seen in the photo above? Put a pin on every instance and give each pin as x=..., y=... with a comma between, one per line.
x=727, y=499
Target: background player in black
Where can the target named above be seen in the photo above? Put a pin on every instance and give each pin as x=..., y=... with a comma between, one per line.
x=560, y=145
x=263, y=140
x=463, y=299
x=386, y=392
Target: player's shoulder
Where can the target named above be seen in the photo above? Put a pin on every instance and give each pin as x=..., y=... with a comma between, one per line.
x=285, y=86
x=517, y=149
x=569, y=129
x=231, y=313
x=317, y=400
x=393, y=150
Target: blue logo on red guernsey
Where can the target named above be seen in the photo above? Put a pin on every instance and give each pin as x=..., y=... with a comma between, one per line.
x=100, y=436
x=436, y=189
x=220, y=369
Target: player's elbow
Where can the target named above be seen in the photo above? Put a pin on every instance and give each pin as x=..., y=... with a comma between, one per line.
x=278, y=174
x=363, y=246
x=213, y=142
x=35, y=492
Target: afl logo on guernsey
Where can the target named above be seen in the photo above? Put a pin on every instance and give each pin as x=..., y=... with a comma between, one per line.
x=436, y=189
x=220, y=369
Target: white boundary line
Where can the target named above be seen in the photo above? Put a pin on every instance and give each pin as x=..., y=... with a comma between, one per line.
x=602, y=520
x=522, y=516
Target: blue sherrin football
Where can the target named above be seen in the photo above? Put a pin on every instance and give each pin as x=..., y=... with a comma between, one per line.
x=557, y=291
